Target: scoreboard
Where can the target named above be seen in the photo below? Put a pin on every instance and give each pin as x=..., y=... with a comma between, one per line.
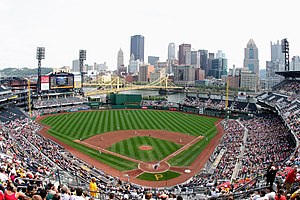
x=61, y=81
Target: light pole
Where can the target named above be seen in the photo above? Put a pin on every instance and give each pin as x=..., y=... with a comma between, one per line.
x=82, y=57
x=29, y=98
x=40, y=54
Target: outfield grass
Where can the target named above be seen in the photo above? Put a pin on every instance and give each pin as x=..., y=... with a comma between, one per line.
x=82, y=125
x=86, y=124
x=130, y=147
x=158, y=176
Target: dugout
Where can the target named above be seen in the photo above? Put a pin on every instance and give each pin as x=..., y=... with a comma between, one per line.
x=125, y=99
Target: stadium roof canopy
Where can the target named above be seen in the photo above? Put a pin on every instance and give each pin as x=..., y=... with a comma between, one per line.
x=289, y=74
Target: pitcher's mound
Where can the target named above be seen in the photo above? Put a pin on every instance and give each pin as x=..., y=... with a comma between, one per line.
x=145, y=148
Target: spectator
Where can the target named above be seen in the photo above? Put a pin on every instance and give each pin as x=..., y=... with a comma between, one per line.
x=296, y=194
x=79, y=195
x=3, y=175
x=111, y=196
x=179, y=197
x=11, y=193
x=36, y=197
x=64, y=193
x=271, y=175
x=280, y=195
x=290, y=179
x=93, y=187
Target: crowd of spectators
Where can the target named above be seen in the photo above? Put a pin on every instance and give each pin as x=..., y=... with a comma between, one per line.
x=245, y=152
x=247, y=149
x=46, y=111
x=287, y=108
x=266, y=143
x=290, y=87
x=205, y=103
x=62, y=101
x=158, y=103
x=8, y=114
x=216, y=104
x=221, y=163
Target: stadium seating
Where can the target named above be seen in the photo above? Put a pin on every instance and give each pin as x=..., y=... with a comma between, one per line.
x=243, y=154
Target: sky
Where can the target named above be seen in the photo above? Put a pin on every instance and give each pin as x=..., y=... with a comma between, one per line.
x=103, y=27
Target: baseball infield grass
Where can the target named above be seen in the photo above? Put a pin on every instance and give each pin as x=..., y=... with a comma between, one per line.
x=187, y=157
x=130, y=147
x=82, y=125
x=158, y=176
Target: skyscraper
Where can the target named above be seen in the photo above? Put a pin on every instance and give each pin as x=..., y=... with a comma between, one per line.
x=295, y=64
x=171, y=51
x=251, y=57
x=276, y=52
x=153, y=60
x=218, y=67
x=184, y=54
x=204, y=60
x=195, y=59
x=137, y=47
x=275, y=64
x=75, y=66
x=120, y=61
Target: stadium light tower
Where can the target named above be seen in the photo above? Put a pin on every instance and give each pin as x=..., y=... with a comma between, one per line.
x=82, y=57
x=40, y=54
x=285, y=49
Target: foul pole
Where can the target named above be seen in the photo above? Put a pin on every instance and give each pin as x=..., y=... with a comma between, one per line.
x=227, y=93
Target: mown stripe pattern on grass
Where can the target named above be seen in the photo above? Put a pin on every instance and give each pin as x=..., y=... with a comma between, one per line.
x=82, y=125
x=86, y=124
x=187, y=157
x=130, y=147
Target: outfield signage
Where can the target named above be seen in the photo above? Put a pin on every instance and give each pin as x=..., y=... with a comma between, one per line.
x=77, y=81
x=45, y=80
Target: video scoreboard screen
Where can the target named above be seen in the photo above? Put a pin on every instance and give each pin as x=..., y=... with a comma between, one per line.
x=61, y=81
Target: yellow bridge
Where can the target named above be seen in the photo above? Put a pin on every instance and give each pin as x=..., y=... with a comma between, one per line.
x=118, y=85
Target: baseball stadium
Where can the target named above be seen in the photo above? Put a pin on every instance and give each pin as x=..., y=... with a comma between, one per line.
x=130, y=146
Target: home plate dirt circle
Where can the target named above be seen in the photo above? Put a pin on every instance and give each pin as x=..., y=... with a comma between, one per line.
x=154, y=167
x=145, y=148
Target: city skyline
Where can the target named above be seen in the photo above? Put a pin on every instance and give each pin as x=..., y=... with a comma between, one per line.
x=102, y=29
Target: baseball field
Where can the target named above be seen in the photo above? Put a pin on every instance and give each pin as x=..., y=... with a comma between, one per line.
x=148, y=145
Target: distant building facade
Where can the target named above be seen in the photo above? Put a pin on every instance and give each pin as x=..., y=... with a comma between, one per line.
x=199, y=74
x=251, y=57
x=171, y=51
x=157, y=74
x=195, y=59
x=295, y=64
x=204, y=59
x=248, y=80
x=75, y=66
x=137, y=47
x=218, y=67
x=144, y=72
x=184, y=75
x=120, y=59
x=275, y=64
x=184, y=54
x=133, y=67
x=153, y=60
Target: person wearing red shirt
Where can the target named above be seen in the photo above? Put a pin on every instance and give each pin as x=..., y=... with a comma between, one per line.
x=280, y=195
x=290, y=179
